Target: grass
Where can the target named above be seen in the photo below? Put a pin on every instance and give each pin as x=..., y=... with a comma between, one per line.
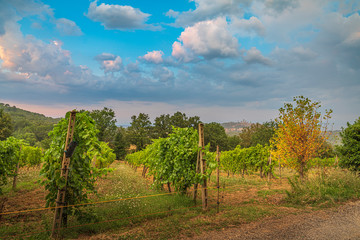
x=157, y=217
x=324, y=190
x=27, y=180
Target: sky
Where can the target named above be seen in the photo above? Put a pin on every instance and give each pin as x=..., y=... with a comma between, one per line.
x=222, y=60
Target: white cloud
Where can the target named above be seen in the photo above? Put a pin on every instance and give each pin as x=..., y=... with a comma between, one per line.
x=172, y=13
x=209, y=39
x=181, y=53
x=68, y=27
x=12, y=11
x=154, y=57
x=119, y=17
x=109, y=62
x=339, y=39
x=38, y=62
x=248, y=27
x=163, y=74
x=209, y=9
x=254, y=56
x=278, y=6
x=303, y=53
x=353, y=39
x=291, y=23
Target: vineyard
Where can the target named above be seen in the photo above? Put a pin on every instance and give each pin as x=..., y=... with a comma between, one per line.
x=76, y=188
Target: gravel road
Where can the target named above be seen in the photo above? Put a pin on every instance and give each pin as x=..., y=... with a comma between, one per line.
x=340, y=223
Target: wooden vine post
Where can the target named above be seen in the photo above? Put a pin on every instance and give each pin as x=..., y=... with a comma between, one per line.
x=60, y=200
x=197, y=171
x=16, y=171
x=269, y=164
x=204, y=194
x=218, y=178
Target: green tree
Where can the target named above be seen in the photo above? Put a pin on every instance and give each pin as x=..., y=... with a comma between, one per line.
x=139, y=131
x=6, y=126
x=215, y=134
x=120, y=143
x=32, y=127
x=301, y=133
x=233, y=142
x=263, y=134
x=179, y=119
x=350, y=149
x=105, y=123
x=257, y=134
x=164, y=123
x=162, y=126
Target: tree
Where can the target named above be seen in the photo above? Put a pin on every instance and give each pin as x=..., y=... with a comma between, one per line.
x=162, y=126
x=300, y=134
x=179, y=119
x=140, y=130
x=350, y=149
x=120, y=143
x=105, y=123
x=264, y=134
x=215, y=134
x=233, y=141
x=257, y=134
x=6, y=126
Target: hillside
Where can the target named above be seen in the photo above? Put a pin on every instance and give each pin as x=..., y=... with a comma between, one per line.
x=33, y=127
x=233, y=128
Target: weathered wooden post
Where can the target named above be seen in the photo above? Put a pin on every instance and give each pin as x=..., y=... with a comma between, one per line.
x=60, y=200
x=202, y=161
x=218, y=178
x=197, y=171
x=269, y=164
x=16, y=171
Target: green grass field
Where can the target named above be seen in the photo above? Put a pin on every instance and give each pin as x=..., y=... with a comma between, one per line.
x=142, y=212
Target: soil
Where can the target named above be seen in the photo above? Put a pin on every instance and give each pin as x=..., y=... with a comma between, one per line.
x=340, y=223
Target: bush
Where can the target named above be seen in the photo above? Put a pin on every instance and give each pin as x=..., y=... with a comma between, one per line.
x=350, y=150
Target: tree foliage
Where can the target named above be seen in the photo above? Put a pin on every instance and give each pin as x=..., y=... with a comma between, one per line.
x=32, y=127
x=105, y=123
x=214, y=134
x=164, y=123
x=257, y=133
x=139, y=131
x=120, y=143
x=6, y=126
x=82, y=175
x=350, y=149
x=300, y=134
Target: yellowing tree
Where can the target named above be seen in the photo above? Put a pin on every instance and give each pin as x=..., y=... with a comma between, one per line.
x=301, y=133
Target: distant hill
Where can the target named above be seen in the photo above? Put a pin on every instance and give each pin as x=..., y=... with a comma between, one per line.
x=33, y=127
x=233, y=128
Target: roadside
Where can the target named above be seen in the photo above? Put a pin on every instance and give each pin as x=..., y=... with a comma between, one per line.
x=339, y=223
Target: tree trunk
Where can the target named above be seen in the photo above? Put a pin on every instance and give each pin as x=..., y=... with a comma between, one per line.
x=169, y=187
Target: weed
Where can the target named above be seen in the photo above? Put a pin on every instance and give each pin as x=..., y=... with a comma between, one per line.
x=324, y=190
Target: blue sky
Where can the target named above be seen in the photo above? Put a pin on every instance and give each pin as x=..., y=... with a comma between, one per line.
x=223, y=60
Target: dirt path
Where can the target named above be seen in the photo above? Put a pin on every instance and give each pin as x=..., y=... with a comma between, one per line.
x=338, y=224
